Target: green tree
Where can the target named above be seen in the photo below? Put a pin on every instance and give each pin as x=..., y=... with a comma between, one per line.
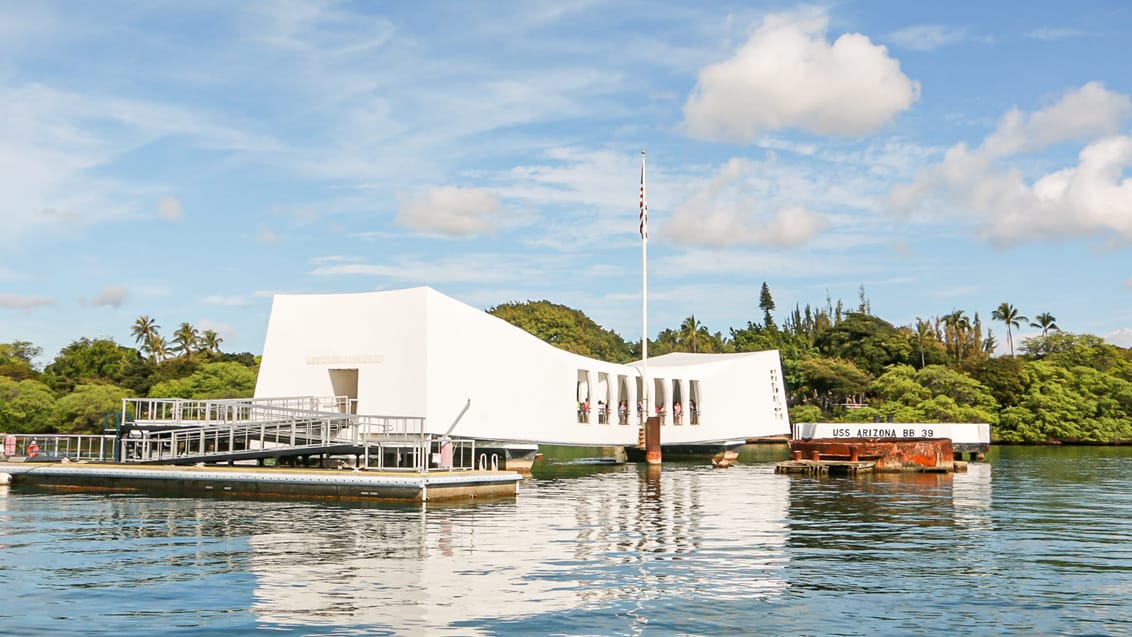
x=935, y=393
x=26, y=406
x=753, y=338
x=1045, y=322
x=566, y=328
x=828, y=382
x=1073, y=350
x=1009, y=314
x=766, y=304
x=926, y=343
x=1002, y=376
x=863, y=306
x=990, y=344
x=899, y=384
x=17, y=360
x=692, y=330
x=186, y=340
x=805, y=413
x=85, y=361
x=211, y=341
x=209, y=381
x=82, y=410
x=147, y=335
x=158, y=348
x=957, y=331
x=870, y=342
x=958, y=386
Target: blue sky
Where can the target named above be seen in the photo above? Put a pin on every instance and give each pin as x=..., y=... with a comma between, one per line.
x=188, y=160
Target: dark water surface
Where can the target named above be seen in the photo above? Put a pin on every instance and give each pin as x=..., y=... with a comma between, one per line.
x=1037, y=541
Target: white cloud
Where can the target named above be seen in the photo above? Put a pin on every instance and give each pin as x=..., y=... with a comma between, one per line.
x=725, y=212
x=453, y=211
x=53, y=141
x=335, y=258
x=925, y=37
x=13, y=302
x=709, y=262
x=170, y=209
x=1121, y=337
x=1084, y=113
x=1091, y=198
x=113, y=296
x=788, y=75
x=1050, y=34
x=460, y=268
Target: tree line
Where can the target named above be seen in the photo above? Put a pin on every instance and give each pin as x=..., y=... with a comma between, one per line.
x=88, y=378
x=843, y=363
x=840, y=362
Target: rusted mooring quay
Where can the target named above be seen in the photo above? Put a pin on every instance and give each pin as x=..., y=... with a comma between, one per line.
x=272, y=482
x=851, y=456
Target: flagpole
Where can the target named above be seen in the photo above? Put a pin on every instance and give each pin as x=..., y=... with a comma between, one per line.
x=652, y=423
x=645, y=291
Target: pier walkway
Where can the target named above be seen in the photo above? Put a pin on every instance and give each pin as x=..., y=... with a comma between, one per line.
x=185, y=432
x=393, y=458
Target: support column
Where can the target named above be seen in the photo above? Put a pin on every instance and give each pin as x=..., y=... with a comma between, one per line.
x=667, y=382
x=591, y=392
x=612, y=414
x=631, y=400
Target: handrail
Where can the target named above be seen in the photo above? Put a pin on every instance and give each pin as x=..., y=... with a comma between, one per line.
x=183, y=430
x=59, y=446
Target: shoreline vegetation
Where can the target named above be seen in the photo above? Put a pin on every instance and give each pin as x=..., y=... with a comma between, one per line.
x=841, y=364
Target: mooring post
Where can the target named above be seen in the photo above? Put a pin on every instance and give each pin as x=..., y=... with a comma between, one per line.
x=652, y=440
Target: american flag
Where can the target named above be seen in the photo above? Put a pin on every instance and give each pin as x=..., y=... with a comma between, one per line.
x=644, y=204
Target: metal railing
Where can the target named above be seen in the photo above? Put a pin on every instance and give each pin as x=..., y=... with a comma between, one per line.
x=179, y=430
x=73, y=447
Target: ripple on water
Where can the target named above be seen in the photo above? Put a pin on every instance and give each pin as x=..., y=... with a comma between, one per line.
x=1033, y=542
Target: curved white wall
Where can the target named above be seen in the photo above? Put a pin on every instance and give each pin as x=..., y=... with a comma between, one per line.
x=420, y=353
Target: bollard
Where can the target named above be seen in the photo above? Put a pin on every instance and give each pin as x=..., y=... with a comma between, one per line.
x=796, y=456
x=815, y=455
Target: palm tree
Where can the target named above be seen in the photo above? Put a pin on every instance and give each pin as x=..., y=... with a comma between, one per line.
x=691, y=329
x=923, y=331
x=186, y=339
x=145, y=331
x=990, y=343
x=158, y=347
x=956, y=326
x=962, y=331
x=211, y=341
x=1008, y=314
x=1046, y=322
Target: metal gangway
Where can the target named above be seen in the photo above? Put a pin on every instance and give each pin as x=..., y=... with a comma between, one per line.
x=180, y=431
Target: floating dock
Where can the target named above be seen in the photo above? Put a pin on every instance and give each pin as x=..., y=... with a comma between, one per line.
x=270, y=482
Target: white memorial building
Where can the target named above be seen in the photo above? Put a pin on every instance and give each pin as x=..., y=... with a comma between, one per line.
x=417, y=352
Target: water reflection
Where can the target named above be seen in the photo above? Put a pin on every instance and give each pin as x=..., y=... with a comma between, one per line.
x=1030, y=543
x=619, y=540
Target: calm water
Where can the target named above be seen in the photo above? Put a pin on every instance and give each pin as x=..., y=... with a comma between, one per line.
x=1033, y=542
